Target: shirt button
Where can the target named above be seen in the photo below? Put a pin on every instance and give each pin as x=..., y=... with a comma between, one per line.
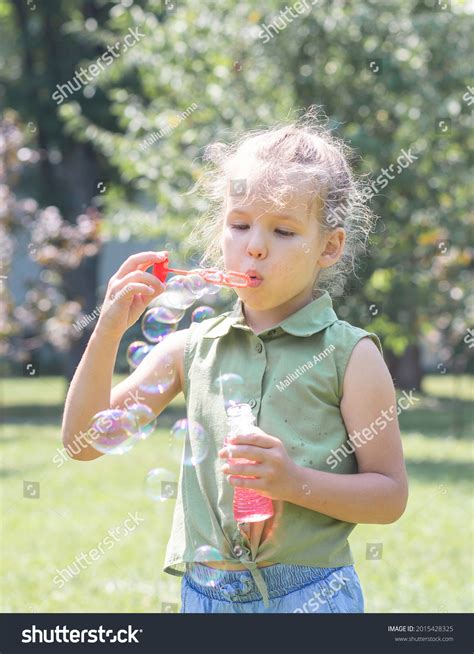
x=259, y=347
x=253, y=404
x=238, y=551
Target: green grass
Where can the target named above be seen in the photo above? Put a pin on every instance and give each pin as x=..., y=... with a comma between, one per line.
x=425, y=566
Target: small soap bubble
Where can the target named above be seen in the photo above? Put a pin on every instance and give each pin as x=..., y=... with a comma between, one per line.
x=202, y=313
x=137, y=351
x=114, y=432
x=209, y=554
x=231, y=387
x=153, y=329
x=161, y=378
x=144, y=420
x=195, y=438
x=161, y=485
x=207, y=287
x=166, y=314
x=197, y=284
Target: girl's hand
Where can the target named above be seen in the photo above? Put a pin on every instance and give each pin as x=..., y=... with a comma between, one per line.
x=274, y=471
x=129, y=292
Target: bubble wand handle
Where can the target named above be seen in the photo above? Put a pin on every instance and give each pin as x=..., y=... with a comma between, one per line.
x=211, y=275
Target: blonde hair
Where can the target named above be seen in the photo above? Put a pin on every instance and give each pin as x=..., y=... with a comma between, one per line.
x=305, y=149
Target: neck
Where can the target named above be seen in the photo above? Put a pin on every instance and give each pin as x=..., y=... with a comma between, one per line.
x=259, y=321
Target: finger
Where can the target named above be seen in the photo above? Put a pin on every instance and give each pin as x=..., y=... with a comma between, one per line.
x=138, y=276
x=244, y=469
x=140, y=261
x=132, y=289
x=241, y=452
x=259, y=440
x=243, y=482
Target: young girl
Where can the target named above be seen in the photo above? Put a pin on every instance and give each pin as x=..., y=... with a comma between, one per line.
x=287, y=211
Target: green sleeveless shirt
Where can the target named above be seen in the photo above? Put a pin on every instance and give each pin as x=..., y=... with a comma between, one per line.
x=293, y=376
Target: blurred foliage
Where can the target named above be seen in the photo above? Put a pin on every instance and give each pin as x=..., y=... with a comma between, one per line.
x=392, y=78
x=56, y=245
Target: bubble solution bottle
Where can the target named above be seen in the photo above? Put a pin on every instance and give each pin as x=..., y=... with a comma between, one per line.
x=248, y=505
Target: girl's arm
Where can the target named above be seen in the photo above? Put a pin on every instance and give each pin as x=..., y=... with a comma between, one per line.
x=129, y=292
x=379, y=492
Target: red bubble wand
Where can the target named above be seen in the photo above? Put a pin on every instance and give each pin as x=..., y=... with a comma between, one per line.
x=211, y=275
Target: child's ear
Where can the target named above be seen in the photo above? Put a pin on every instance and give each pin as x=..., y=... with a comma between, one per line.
x=333, y=248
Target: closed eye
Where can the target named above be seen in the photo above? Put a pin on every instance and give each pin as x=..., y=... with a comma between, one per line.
x=281, y=232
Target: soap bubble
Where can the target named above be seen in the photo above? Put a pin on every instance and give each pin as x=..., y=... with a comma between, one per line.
x=195, y=438
x=178, y=294
x=231, y=387
x=202, y=313
x=212, y=289
x=161, y=378
x=197, y=284
x=144, y=420
x=208, y=288
x=115, y=432
x=207, y=553
x=137, y=351
x=166, y=314
x=153, y=328
x=161, y=485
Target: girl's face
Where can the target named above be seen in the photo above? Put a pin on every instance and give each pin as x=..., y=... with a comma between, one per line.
x=281, y=245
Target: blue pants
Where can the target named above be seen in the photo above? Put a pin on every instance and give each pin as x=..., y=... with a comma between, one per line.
x=291, y=588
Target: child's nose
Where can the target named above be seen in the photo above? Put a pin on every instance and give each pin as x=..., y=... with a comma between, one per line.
x=256, y=246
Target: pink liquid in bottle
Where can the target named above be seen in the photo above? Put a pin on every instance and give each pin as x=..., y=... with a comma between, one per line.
x=248, y=505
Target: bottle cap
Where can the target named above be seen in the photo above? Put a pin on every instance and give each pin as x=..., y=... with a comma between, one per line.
x=239, y=410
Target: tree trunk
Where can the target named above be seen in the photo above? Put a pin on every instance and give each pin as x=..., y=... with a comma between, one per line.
x=406, y=370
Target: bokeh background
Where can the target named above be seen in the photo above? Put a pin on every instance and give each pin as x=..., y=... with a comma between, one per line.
x=83, y=184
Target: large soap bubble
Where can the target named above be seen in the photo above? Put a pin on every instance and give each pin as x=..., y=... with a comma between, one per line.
x=161, y=485
x=231, y=387
x=113, y=432
x=137, y=351
x=143, y=419
x=162, y=377
x=195, y=439
x=178, y=294
x=153, y=328
x=166, y=314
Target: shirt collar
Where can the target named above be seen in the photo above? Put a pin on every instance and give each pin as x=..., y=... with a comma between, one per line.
x=310, y=319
